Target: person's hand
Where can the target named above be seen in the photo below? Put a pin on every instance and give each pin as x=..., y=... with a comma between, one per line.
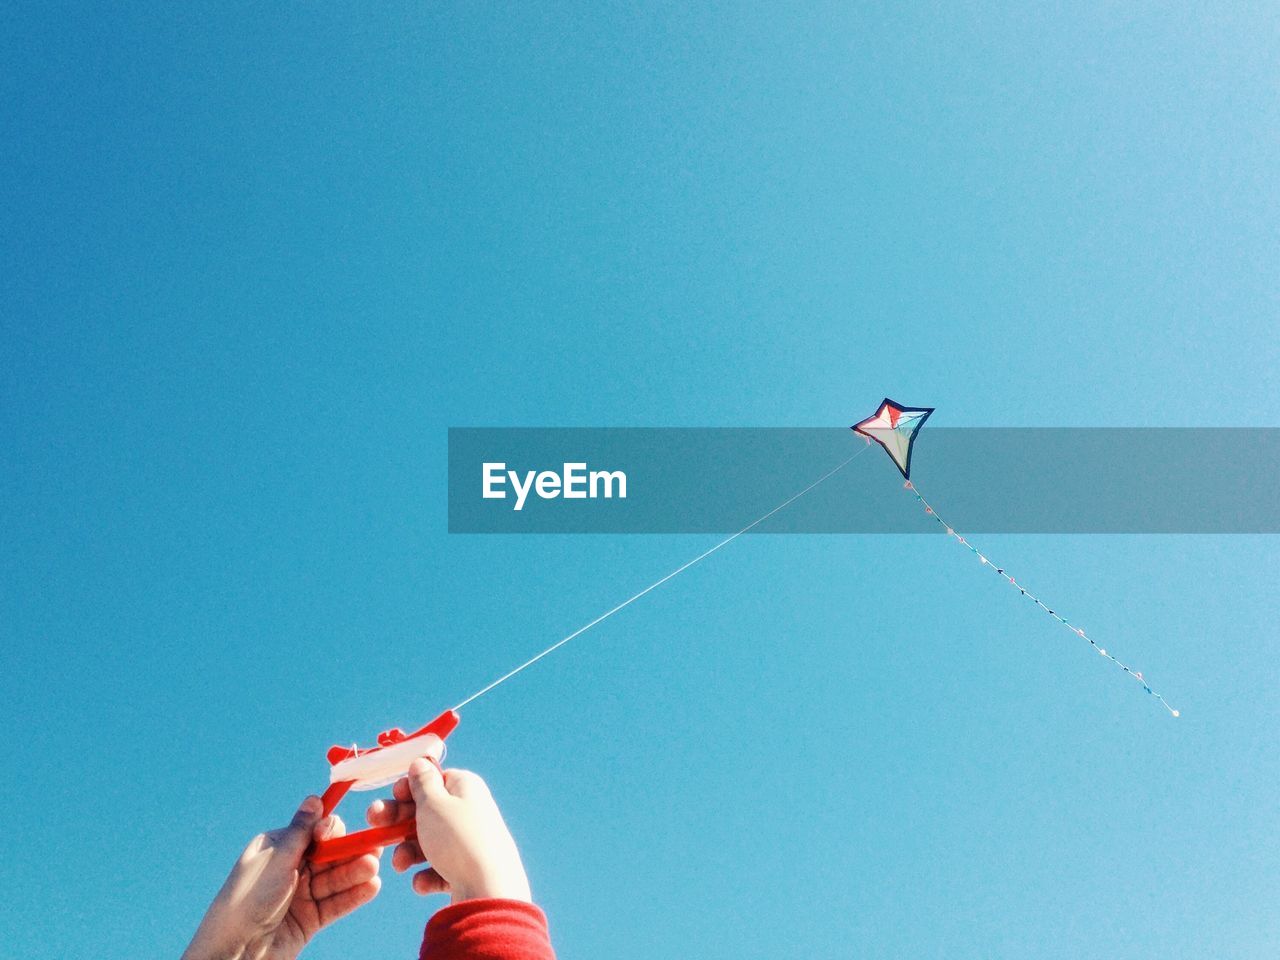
x=273, y=902
x=459, y=832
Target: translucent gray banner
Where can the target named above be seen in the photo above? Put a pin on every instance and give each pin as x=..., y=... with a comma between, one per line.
x=994, y=480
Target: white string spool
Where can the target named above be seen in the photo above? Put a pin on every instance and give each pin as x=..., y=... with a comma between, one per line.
x=377, y=768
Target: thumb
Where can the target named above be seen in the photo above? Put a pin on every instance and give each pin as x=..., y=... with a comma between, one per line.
x=429, y=881
x=425, y=783
x=297, y=835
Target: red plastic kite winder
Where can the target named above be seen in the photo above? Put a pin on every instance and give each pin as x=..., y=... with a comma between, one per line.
x=351, y=768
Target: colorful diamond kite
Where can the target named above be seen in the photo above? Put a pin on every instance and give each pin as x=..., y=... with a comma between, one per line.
x=894, y=427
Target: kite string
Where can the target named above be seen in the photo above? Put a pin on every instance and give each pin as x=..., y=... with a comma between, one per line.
x=1078, y=631
x=657, y=583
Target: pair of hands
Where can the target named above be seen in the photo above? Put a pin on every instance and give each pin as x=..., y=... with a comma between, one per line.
x=274, y=902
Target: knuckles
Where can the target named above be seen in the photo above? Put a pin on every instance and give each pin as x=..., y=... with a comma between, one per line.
x=464, y=781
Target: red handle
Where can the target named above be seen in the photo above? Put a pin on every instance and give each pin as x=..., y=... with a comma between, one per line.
x=365, y=841
x=362, y=841
x=375, y=838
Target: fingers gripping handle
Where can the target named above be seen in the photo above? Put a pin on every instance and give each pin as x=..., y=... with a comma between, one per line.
x=364, y=841
x=383, y=763
x=358, y=844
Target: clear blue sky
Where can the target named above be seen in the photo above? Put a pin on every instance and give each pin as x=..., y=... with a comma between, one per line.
x=255, y=261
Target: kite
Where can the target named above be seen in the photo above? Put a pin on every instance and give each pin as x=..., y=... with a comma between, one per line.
x=893, y=426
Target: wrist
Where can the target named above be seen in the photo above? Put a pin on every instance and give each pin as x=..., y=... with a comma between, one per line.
x=217, y=939
x=214, y=949
x=501, y=886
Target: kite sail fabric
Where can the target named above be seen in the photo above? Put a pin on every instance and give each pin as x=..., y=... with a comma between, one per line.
x=894, y=427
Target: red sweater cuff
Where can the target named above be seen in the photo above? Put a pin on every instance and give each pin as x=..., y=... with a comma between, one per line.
x=487, y=930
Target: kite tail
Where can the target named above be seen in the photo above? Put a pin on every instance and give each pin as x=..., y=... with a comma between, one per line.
x=1004, y=575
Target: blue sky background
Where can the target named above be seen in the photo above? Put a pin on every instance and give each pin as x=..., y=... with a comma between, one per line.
x=255, y=261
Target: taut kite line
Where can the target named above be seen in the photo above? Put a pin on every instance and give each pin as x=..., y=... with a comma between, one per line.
x=354, y=768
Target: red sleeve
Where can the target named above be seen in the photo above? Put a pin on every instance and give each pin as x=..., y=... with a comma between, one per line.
x=488, y=930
